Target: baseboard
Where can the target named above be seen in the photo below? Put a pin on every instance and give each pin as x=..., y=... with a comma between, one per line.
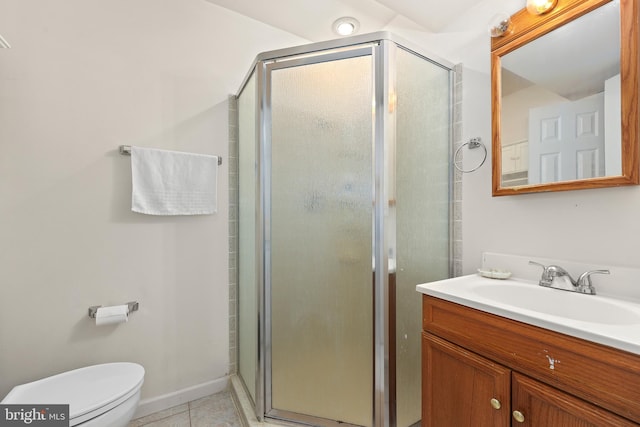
x=166, y=401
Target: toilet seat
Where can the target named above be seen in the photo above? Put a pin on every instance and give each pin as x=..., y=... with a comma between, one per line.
x=89, y=391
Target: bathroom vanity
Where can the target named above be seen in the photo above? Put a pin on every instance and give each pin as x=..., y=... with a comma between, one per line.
x=487, y=364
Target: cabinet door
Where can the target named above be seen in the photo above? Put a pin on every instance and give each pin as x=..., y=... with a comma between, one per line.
x=458, y=387
x=544, y=406
x=522, y=154
x=509, y=159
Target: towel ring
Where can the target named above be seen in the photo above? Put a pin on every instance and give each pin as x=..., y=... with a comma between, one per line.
x=472, y=143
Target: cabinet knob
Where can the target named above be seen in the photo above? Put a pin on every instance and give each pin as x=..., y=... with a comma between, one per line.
x=518, y=416
x=495, y=403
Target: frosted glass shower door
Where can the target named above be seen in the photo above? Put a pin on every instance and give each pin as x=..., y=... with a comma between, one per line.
x=247, y=266
x=320, y=230
x=421, y=212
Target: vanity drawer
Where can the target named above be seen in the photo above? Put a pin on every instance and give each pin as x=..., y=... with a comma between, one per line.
x=596, y=373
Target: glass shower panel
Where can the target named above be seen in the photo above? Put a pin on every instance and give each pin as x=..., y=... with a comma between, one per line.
x=321, y=240
x=247, y=280
x=421, y=211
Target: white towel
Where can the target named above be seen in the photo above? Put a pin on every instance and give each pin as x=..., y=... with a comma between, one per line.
x=173, y=183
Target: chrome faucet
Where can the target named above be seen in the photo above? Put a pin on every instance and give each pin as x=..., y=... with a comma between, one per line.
x=557, y=277
x=584, y=285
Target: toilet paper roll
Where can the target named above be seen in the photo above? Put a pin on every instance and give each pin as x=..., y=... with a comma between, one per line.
x=112, y=315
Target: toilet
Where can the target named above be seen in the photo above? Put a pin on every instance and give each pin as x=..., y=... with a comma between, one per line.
x=104, y=395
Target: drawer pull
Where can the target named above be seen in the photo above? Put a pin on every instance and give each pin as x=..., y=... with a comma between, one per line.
x=518, y=416
x=495, y=403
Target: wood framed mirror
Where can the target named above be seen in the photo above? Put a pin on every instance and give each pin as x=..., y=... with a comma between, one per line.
x=564, y=95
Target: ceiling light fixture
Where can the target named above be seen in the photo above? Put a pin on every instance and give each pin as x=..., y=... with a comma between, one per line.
x=538, y=7
x=346, y=26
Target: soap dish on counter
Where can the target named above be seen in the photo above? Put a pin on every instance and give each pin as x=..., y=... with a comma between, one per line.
x=495, y=273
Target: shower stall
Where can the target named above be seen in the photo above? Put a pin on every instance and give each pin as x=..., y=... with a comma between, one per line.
x=343, y=208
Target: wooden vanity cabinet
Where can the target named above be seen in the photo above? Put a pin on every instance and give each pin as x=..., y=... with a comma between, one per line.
x=458, y=387
x=547, y=406
x=484, y=370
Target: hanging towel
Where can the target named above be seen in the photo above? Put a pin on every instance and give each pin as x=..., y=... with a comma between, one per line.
x=173, y=183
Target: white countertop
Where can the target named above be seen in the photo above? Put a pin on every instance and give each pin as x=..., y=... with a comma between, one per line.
x=604, y=320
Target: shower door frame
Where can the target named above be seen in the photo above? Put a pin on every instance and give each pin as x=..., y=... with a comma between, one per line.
x=380, y=46
x=378, y=51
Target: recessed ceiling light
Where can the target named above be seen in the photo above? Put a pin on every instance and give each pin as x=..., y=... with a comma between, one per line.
x=346, y=26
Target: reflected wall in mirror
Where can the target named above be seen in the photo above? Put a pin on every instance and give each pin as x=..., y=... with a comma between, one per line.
x=565, y=99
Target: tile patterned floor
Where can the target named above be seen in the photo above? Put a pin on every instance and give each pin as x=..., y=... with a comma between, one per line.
x=217, y=410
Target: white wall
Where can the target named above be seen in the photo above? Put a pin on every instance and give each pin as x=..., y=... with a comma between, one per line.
x=592, y=226
x=82, y=78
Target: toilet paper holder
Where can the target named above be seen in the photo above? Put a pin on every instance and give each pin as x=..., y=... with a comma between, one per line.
x=133, y=306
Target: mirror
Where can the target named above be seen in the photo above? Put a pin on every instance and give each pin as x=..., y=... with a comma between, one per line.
x=565, y=99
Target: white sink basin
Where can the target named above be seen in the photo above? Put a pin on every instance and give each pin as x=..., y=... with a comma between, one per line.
x=571, y=305
x=595, y=318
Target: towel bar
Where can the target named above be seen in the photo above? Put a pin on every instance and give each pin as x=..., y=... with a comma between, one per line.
x=125, y=150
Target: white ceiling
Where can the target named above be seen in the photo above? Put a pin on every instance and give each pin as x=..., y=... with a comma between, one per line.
x=312, y=19
x=448, y=27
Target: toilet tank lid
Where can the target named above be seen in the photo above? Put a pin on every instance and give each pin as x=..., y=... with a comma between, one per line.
x=85, y=390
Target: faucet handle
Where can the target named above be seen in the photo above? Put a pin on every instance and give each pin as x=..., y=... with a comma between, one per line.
x=584, y=284
x=545, y=279
x=544, y=267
